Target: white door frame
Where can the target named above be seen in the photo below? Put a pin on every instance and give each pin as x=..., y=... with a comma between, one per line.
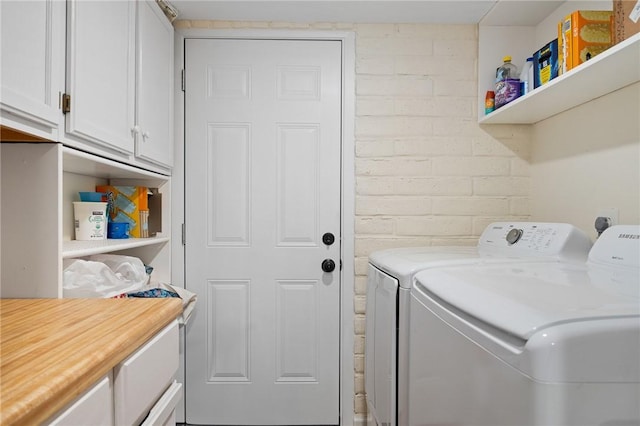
x=347, y=214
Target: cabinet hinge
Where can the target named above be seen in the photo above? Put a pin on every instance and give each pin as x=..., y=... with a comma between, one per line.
x=184, y=237
x=183, y=80
x=66, y=103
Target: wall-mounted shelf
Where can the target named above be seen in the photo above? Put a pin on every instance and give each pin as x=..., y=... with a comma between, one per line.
x=617, y=67
x=76, y=248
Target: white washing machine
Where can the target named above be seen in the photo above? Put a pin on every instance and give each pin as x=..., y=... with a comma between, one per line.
x=547, y=343
x=389, y=280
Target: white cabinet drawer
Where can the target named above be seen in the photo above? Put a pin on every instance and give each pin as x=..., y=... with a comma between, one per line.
x=94, y=407
x=141, y=379
x=163, y=413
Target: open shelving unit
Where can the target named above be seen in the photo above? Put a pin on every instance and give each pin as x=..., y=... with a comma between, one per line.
x=40, y=182
x=617, y=67
x=92, y=169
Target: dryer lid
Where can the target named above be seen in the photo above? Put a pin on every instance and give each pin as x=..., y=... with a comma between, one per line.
x=403, y=263
x=522, y=299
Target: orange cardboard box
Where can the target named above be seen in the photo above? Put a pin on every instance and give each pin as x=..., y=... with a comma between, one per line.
x=128, y=204
x=626, y=19
x=582, y=35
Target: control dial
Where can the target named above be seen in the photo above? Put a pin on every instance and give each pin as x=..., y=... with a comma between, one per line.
x=514, y=235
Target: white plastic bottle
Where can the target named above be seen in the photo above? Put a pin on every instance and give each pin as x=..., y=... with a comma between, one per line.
x=526, y=77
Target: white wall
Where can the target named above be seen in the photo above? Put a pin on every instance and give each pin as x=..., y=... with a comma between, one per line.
x=588, y=159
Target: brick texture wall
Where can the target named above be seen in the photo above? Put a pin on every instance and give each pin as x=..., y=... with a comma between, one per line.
x=426, y=172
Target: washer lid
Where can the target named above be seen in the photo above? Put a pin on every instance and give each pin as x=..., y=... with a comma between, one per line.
x=522, y=299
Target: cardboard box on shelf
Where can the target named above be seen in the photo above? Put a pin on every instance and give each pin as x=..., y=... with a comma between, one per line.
x=626, y=19
x=545, y=64
x=582, y=35
x=128, y=204
x=155, y=212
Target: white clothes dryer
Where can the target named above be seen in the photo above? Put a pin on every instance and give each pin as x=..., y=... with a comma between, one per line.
x=389, y=280
x=545, y=344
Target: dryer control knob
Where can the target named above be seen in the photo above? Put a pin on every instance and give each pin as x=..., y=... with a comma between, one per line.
x=514, y=235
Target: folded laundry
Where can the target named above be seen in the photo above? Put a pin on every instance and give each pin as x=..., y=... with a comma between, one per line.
x=154, y=292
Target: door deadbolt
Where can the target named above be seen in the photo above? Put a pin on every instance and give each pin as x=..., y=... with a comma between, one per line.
x=328, y=238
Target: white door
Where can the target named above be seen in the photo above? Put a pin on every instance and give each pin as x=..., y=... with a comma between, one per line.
x=262, y=149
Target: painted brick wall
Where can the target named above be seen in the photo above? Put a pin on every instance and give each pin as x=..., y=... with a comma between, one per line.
x=426, y=172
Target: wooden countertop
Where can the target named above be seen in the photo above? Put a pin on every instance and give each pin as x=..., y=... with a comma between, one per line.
x=52, y=350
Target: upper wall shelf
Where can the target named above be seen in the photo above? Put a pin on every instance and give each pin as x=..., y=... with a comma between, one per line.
x=617, y=67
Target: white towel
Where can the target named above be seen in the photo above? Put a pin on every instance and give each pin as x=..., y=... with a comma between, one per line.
x=188, y=299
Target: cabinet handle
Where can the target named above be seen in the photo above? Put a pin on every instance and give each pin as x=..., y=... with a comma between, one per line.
x=135, y=130
x=146, y=135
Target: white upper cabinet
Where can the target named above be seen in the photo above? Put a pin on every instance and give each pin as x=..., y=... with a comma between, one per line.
x=101, y=73
x=154, y=118
x=120, y=81
x=32, y=46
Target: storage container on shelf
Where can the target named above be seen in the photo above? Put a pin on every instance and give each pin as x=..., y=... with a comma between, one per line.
x=507, y=83
x=526, y=77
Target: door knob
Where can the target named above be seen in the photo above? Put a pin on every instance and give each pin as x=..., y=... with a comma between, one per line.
x=328, y=265
x=328, y=238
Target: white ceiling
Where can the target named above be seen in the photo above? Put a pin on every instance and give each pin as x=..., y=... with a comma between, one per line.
x=359, y=11
x=489, y=12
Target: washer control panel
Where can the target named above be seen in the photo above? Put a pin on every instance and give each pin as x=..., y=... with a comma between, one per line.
x=532, y=238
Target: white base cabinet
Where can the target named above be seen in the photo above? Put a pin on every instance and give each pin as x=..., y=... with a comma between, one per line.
x=163, y=412
x=144, y=377
x=94, y=407
x=140, y=390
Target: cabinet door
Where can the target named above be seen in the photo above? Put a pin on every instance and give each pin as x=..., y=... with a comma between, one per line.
x=94, y=407
x=32, y=65
x=142, y=378
x=101, y=73
x=155, y=85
